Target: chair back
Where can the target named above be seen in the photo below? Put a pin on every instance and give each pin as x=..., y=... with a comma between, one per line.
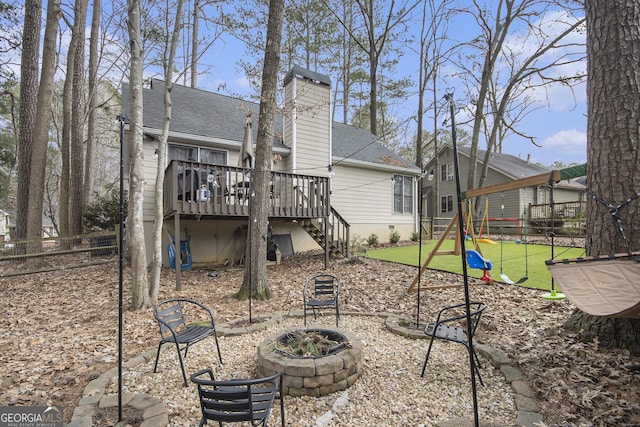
x=324, y=287
x=170, y=316
x=236, y=400
x=476, y=309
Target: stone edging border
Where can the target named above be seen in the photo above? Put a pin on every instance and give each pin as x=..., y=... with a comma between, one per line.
x=155, y=413
x=526, y=406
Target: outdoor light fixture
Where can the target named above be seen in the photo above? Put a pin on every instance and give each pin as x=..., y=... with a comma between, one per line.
x=331, y=172
x=155, y=154
x=431, y=175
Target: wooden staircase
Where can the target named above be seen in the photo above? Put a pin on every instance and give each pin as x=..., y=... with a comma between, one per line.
x=337, y=233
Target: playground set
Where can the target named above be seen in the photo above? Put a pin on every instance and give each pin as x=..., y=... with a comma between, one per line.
x=601, y=285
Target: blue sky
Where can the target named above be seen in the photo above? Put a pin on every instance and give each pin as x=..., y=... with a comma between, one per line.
x=558, y=124
x=560, y=128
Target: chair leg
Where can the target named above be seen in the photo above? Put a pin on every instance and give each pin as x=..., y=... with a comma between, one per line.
x=477, y=366
x=305, y=316
x=184, y=375
x=155, y=367
x=186, y=349
x=281, y=402
x=337, y=315
x=218, y=347
x=426, y=359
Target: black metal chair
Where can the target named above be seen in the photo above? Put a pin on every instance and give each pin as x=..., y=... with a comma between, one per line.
x=450, y=325
x=175, y=329
x=238, y=400
x=320, y=292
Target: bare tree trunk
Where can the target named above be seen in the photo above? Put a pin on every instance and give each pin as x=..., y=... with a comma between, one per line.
x=162, y=150
x=28, y=107
x=373, y=70
x=194, y=43
x=255, y=273
x=140, y=282
x=43, y=119
x=92, y=137
x=613, y=135
x=65, y=144
x=76, y=159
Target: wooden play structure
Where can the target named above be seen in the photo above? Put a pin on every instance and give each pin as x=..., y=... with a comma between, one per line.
x=601, y=285
x=477, y=260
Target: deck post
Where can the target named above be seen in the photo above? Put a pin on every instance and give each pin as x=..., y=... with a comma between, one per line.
x=176, y=247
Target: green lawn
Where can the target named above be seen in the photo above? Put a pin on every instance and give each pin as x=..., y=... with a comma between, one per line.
x=514, y=264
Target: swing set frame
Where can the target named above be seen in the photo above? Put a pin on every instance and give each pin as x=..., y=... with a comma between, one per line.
x=552, y=177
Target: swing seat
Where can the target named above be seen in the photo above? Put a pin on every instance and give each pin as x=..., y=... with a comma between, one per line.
x=475, y=260
x=489, y=241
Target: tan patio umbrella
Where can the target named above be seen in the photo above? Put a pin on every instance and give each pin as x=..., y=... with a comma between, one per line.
x=247, y=153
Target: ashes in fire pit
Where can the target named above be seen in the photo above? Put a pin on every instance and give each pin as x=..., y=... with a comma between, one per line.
x=337, y=365
x=311, y=343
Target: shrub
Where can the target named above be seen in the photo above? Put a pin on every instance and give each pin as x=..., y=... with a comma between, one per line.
x=358, y=249
x=415, y=236
x=104, y=212
x=372, y=240
x=394, y=237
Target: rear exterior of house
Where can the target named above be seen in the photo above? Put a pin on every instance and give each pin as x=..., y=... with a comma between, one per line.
x=518, y=203
x=330, y=182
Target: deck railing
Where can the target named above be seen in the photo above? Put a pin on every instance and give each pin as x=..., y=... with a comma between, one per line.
x=192, y=188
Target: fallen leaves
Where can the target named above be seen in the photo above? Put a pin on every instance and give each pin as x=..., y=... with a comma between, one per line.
x=60, y=331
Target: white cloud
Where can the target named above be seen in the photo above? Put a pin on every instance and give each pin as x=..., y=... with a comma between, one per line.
x=568, y=146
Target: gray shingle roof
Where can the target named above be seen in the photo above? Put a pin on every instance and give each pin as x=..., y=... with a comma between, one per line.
x=509, y=165
x=516, y=168
x=352, y=142
x=197, y=112
x=201, y=113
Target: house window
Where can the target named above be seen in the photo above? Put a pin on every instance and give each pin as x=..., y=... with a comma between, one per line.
x=446, y=204
x=446, y=172
x=197, y=154
x=402, y=194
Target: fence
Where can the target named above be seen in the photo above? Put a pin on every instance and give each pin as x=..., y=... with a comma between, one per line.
x=57, y=253
x=567, y=219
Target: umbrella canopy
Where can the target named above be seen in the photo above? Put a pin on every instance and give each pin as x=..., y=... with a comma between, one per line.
x=247, y=154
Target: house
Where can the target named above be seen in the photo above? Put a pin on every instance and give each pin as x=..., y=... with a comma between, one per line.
x=8, y=226
x=519, y=198
x=4, y=226
x=330, y=182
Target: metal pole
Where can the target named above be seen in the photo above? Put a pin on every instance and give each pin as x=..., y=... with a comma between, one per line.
x=122, y=120
x=456, y=166
x=249, y=245
x=419, y=245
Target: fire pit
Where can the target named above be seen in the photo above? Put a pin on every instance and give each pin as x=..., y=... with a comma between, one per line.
x=335, y=367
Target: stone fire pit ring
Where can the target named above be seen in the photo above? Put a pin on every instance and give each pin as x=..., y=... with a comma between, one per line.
x=313, y=376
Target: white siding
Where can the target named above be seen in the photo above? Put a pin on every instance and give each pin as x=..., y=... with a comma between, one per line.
x=364, y=197
x=149, y=171
x=312, y=128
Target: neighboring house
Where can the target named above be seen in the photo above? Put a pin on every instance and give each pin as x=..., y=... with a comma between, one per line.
x=503, y=168
x=4, y=226
x=330, y=182
x=8, y=226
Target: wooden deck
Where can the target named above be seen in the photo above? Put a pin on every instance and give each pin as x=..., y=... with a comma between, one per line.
x=205, y=190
